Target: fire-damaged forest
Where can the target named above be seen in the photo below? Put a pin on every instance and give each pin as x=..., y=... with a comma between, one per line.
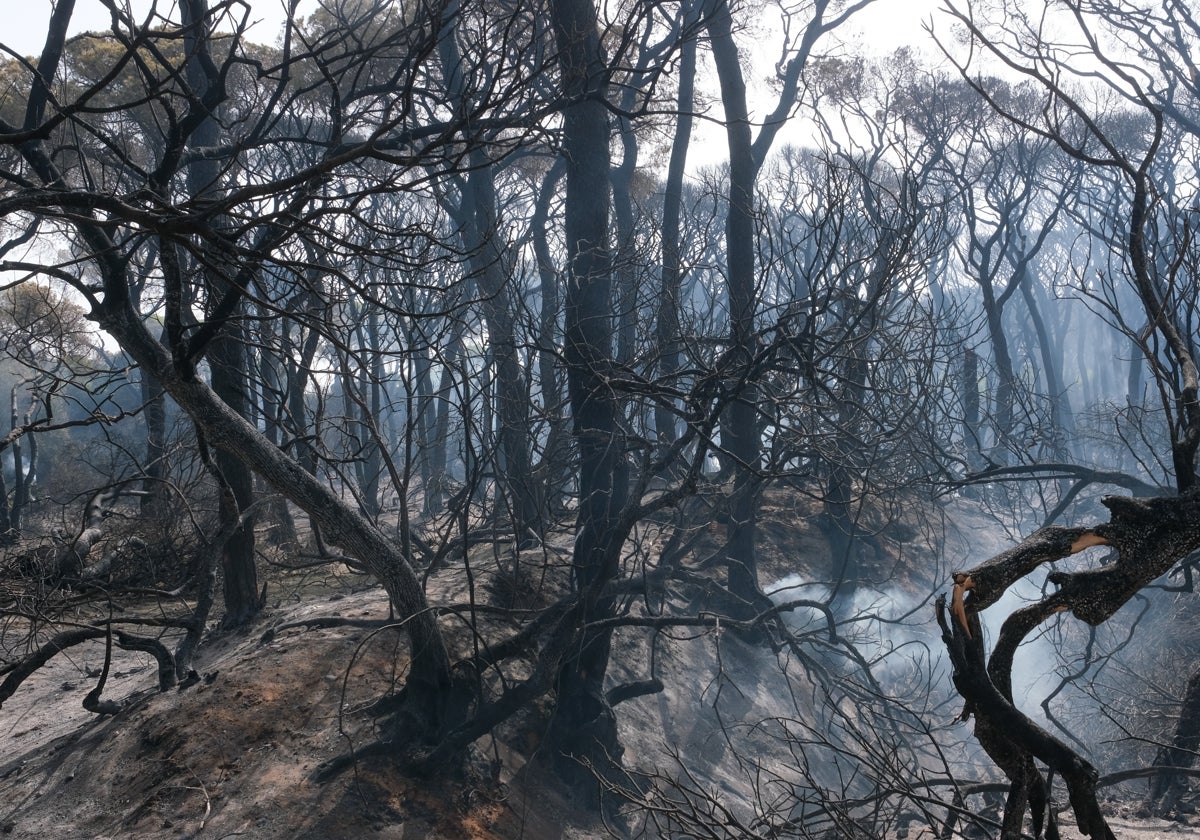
x=551, y=418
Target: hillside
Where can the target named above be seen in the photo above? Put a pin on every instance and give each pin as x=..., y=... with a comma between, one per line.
x=233, y=754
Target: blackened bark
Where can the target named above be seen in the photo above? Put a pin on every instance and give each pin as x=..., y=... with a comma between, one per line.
x=1056, y=393
x=510, y=387
x=667, y=324
x=969, y=395
x=426, y=422
x=477, y=216
x=227, y=354
x=272, y=364
x=1184, y=419
x=555, y=456
x=1166, y=787
x=1004, y=397
x=739, y=424
x=363, y=391
x=584, y=723
x=840, y=492
x=624, y=269
x=7, y=535
x=435, y=447
x=20, y=479
x=1149, y=536
x=154, y=414
x=240, y=589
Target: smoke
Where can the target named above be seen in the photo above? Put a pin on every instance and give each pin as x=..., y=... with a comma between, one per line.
x=1035, y=673
x=794, y=587
x=890, y=630
x=7, y=461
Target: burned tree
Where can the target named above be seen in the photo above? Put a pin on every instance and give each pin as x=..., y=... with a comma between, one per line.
x=1133, y=140
x=1148, y=537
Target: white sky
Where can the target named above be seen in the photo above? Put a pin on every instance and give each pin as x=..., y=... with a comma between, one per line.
x=887, y=25
x=882, y=28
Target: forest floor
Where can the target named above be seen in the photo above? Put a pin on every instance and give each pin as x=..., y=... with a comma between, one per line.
x=233, y=754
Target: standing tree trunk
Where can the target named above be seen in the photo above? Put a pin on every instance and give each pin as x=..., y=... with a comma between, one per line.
x=624, y=269
x=1056, y=393
x=477, y=216
x=1166, y=788
x=227, y=355
x=510, y=386
x=555, y=456
x=271, y=367
x=20, y=478
x=740, y=434
x=584, y=723
x=667, y=325
x=155, y=416
x=739, y=424
x=242, y=599
x=1004, y=396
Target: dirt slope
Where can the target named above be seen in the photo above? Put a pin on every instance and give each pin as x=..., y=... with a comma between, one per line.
x=232, y=755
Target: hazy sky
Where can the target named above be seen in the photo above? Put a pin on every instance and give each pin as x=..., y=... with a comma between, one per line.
x=887, y=24
x=25, y=30
x=880, y=29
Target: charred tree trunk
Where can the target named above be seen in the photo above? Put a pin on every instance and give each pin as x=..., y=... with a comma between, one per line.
x=363, y=395
x=1056, y=393
x=242, y=599
x=1005, y=394
x=282, y=528
x=227, y=354
x=510, y=388
x=435, y=449
x=154, y=400
x=1166, y=787
x=842, y=523
x=624, y=269
x=584, y=724
x=426, y=421
x=477, y=215
x=739, y=424
x=20, y=479
x=7, y=535
x=555, y=455
x=667, y=324
x=971, y=413
x=1150, y=536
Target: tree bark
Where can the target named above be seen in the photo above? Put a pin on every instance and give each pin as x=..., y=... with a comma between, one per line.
x=1166, y=787
x=477, y=216
x=739, y=424
x=1150, y=536
x=155, y=416
x=584, y=724
x=555, y=455
x=228, y=355
x=667, y=323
